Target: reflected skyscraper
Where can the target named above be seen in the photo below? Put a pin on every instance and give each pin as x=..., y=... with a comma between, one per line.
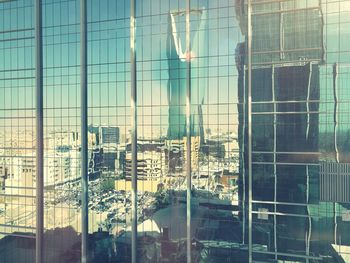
x=177, y=83
x=177, y=65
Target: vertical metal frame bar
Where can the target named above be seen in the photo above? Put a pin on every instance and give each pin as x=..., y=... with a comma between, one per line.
x=39, y=114
x=274, y=160
x=335, y=137
x=250, y=195
x=134, y=132
x=308, y=233
x=281, y=17
x=188, y=131
x=84, y=133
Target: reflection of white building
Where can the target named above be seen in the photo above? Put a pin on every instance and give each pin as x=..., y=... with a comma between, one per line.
x=61, y=167
x=195, y=145
x=18, y=175
x=26, y=176
x=10, y=170
x=19, y=172
x=150, y=165
x=62, y=139
x=231, y=149
x=178, y=150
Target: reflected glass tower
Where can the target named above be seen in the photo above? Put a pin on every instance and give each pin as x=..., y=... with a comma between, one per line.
x=177, y=65
x=287, y=53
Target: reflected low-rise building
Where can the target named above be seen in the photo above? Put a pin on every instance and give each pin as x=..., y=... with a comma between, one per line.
x=150, y=165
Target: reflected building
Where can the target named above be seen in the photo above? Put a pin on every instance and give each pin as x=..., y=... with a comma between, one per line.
x=109, y=135
x=177, y=84
x=287, y=53
x=177, y=66
x=300, y=131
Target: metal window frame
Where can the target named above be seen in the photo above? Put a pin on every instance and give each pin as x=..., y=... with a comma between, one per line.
x=133, y=109
x=188, y=135
x=39, y=110
x=84, y=125
x=249, y=111
x=84, y=132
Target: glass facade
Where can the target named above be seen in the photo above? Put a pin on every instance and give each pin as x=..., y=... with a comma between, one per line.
x=230, y=143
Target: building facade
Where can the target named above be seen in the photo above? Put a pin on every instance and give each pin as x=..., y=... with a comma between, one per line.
x=256, y=90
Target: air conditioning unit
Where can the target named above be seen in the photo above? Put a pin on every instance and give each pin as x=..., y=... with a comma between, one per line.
x=263, y=214
x=335, y=182
x=346, y=216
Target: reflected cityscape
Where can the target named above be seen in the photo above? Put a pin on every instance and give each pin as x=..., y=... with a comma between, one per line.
x=242, y=148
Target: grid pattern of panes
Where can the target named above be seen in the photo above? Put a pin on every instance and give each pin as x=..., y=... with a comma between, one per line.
x=61, y=78
x=17, y=133
x=299, y=77
x=299, y=90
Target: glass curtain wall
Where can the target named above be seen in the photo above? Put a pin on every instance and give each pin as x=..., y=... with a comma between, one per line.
x=109, y=102
x=163, y=61
x=17, y=131
x=299, y=130
x=61, y=76
x=194, y=82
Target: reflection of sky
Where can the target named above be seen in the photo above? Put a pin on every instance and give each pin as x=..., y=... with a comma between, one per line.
x=336, y=41
x=109, y=87
x=108, y=52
